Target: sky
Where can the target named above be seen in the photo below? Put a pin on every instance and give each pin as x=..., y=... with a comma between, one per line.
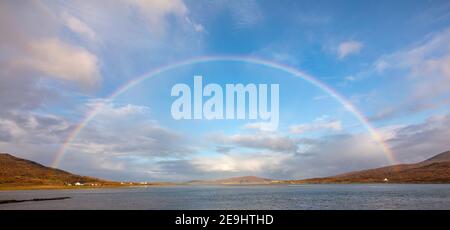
x=376, y=91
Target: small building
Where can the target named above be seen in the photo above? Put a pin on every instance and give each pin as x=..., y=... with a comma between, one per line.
x=78, y=184
x=386, y=180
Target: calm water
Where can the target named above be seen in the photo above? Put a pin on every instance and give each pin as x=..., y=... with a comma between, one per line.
x=380, y=196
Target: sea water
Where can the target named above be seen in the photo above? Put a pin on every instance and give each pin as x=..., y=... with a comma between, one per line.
x=325, y=196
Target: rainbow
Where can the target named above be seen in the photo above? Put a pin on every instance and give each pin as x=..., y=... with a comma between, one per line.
x=246, y=59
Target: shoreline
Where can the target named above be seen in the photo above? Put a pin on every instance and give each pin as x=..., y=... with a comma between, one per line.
x=63, y=187
x=57, y=187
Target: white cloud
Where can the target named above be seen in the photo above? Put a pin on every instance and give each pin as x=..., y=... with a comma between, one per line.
x=79, y=27
x=32, y=47
x=36, y=52
x=428, y=58
x=199, y=27
x=261, y=126
x=268, y=141
x=243, y=14
x=109, y=110
x=242, y=163
x=246, y=13
x=57, y=59
x=417, y=142
x=381, y=65
x=29, y=128
x=348, y=48
x=9, y=130
x=156, y=11
x=350, y=78
x=422, y=72
x=124, y=146
x=32, y=136
x=323, y=157
x=319, y=124
x=127, y=130
x=337, y=154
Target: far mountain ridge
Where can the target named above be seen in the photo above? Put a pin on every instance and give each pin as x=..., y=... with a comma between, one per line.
x=235, y=180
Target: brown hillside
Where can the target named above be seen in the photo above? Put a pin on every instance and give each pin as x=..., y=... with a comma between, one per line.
x=20, y=172
x=433, y=170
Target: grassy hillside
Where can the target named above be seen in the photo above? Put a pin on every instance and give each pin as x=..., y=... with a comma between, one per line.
x=20, y=172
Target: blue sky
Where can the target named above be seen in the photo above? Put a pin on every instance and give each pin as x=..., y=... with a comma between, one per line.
x=61, y=59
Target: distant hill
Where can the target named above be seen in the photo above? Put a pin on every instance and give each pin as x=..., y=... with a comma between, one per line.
x=433, y=170
x=442, y=157
x=235, y=181
x=20, y=172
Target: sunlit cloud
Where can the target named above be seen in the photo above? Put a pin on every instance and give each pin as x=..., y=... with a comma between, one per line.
x=79, y=27
x=319, y=124
x=348, y=48
x=59, y=60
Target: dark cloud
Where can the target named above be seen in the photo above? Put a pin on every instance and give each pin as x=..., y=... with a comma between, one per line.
x=127, y=130
x=417, y=142
x=19, y=92
x=325, y=156
x=223, y=149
